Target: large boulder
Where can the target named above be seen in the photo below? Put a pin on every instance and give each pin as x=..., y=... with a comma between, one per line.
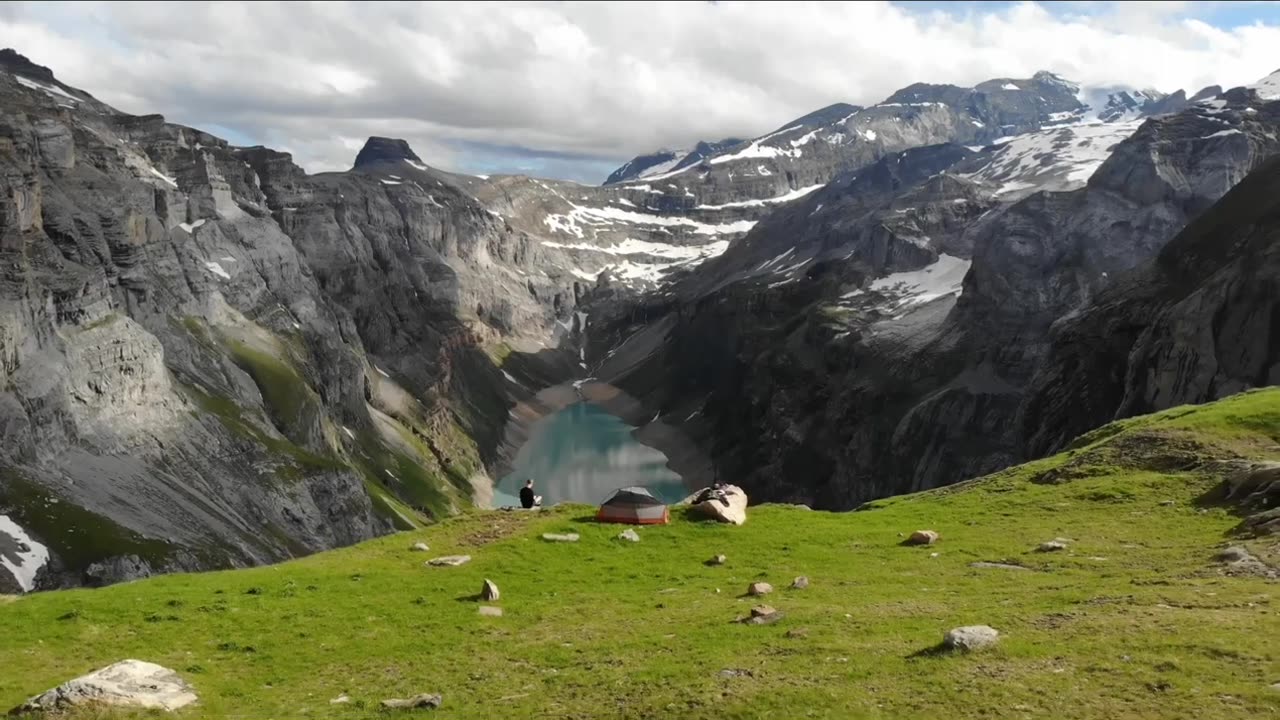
x=971, y=637
x=727, y=503
x=128, y=683
x=922, y=537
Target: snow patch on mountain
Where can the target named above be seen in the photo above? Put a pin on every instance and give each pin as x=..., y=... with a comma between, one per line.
x=216, y=268
x=632, y=246
x=56, y=93
x=788, y=197
x=945, y=276
x=21, y=556
x=580, y=217
x=757, y=150
x=1057, y=158
x=1268, y=88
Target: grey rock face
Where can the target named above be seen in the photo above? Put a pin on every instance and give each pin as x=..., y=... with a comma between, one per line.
x=1188, y=328
x=489, y=591
x=629, y=535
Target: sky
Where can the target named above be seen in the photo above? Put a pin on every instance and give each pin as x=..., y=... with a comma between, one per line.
x=572, y=90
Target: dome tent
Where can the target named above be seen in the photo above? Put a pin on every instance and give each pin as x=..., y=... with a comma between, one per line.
x=634, y=506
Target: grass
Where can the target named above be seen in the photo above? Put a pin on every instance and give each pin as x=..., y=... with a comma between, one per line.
x=299, y=461
x=103, y=321
x=1134, y=620
x=291, y=402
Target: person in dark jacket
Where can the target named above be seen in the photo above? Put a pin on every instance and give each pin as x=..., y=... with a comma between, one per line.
x=527, y=499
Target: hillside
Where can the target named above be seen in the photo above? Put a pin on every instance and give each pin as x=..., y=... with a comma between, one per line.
x=1134, y=619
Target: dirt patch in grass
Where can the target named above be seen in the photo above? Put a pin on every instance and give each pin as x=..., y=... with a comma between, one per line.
x=498, y=526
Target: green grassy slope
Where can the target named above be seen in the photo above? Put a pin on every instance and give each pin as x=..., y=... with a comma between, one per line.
x=1134, y=620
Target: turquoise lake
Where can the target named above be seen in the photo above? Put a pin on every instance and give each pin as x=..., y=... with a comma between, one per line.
x=582, y=454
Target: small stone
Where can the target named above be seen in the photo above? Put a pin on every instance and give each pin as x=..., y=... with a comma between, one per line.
x=489, y=591
x=800, y=583
x=762, y=615
x=971, y=637
x=560, y=537
x=340, y=700
x=417, y=702
x=449, y=561
x=759, y=588
x=1052, y=546
x=490, y=611
x=934, y=555
x=797, y=633
x=1168, y=503
x=420, y=547
x=629, y=535
x=717, y=560
x=735, y=672
x=1275, y=686
x=1233, y=554
x=923, y=537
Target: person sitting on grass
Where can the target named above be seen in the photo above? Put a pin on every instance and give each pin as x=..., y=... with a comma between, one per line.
x=527, y=499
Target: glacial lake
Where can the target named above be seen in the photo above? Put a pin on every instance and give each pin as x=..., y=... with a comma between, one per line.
x=582, y=454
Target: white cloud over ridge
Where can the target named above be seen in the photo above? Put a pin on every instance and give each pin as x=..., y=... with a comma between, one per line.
x=571, y=88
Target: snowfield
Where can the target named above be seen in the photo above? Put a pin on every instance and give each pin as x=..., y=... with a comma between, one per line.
x=21, y=556
x=943, y=277
x=580, y=217
x=1058, y=158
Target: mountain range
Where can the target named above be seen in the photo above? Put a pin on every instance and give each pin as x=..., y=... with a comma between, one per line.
x=210, y=358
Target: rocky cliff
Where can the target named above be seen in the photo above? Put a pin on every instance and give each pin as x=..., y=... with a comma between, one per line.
x=210, y=358
x=1200, y=322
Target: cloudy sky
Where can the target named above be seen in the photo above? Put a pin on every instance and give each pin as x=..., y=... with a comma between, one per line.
x=572, y=90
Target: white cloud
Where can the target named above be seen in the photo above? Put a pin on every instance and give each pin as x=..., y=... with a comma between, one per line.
x=595, y=79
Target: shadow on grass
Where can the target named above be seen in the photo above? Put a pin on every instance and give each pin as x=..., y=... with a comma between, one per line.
x=688, y=514
x=474, y=597
x=939, y=650
x=1249, y=491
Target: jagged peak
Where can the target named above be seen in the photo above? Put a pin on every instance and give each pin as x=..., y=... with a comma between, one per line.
x=16, y=62
x=1048, y=76
x=385, y=150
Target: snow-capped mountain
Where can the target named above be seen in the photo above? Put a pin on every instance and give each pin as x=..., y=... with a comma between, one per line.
x=664, y=161
x=1268, y=87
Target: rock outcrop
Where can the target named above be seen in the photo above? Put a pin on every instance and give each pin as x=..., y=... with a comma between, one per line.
x=126, y=684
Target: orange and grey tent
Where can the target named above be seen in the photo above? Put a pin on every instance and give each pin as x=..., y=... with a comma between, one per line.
x=634, y=506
